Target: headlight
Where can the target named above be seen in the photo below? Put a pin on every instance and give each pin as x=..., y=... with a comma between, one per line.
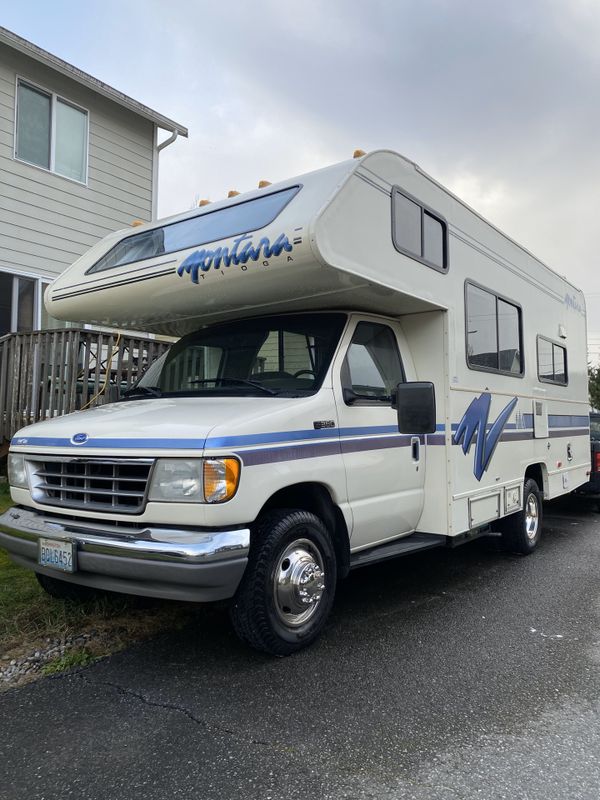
x=17, y=471
x=177, y=479
x=211, y=480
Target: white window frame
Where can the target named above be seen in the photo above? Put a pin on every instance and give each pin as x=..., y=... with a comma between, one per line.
x=54, y=98
x=38, y=299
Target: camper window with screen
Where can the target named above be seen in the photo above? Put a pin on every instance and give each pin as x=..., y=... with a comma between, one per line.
x=494, y=332
x=552, y=362
x=419, y=232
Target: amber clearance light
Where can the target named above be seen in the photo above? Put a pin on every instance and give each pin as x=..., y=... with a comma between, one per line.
x=221, y=478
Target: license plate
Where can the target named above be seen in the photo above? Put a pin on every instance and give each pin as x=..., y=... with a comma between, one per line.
x=57, y=555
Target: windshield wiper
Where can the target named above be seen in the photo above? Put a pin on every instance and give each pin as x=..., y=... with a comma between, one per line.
x=239, y=381
x=141, y=391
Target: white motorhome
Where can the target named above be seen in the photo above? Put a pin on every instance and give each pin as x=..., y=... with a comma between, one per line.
x=367, y=368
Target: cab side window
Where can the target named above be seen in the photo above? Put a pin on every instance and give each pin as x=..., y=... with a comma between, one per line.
x=372, y=368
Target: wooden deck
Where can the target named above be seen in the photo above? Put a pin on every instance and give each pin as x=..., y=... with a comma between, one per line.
x=45, y=374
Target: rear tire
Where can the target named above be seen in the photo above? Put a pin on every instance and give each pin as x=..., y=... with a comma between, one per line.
x=64, y=590
x=288, y=587
x=521, y=531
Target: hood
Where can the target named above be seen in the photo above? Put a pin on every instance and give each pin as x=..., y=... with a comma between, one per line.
x=157, y=424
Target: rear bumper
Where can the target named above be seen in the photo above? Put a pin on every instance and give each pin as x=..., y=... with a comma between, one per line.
x=174, y=563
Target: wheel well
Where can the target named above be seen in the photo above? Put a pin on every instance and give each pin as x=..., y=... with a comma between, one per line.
x=538, y=473
x=314, y=497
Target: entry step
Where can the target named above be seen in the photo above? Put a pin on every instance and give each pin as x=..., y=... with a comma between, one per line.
x=399, y=547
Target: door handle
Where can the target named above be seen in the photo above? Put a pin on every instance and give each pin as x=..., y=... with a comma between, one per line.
x=415, y=445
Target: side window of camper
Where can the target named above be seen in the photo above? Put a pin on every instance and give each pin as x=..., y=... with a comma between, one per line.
x=552, y=362
x=419, y=232
x=372, y=368
x=494, y=332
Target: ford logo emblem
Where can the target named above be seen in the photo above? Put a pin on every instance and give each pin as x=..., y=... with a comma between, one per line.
x=80, y=438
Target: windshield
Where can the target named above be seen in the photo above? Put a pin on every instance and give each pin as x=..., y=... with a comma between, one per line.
x=272, y=356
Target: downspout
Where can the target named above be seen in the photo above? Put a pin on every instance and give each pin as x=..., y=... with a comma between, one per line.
x=168, y=141
x=155, y=152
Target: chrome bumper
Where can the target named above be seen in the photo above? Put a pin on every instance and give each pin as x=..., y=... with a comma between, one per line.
x=181, y=564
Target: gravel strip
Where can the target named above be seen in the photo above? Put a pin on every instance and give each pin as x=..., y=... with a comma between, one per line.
x=16, y=670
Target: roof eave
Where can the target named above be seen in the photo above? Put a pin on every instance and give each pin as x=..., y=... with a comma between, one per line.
x=54, y=62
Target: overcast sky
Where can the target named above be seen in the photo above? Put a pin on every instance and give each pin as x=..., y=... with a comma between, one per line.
x=498, y=101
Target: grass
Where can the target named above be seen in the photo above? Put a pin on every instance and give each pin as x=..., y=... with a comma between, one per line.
x=29, y=617
x=76, y=658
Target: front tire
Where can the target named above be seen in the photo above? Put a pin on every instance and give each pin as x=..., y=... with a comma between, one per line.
x=521, y=531
x=288, y=587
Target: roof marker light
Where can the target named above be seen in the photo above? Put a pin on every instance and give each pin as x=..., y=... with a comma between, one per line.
x=263, y=184
x=359, y=154
x=232, y=193
x=204, y=202
x=136, y=223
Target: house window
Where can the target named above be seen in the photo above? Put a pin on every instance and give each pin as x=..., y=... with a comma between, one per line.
x=494, y=332
x=419, y=232
x=552, y=362
x=21, y=305
x=51, y=132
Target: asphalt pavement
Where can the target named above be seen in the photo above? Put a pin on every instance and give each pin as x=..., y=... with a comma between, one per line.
x=467, y=673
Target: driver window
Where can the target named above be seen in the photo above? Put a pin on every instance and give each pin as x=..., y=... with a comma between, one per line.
x=372, y=368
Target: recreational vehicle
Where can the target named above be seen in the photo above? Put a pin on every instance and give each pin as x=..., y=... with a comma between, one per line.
x=366, y=368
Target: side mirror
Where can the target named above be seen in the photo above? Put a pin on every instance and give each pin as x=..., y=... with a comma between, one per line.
x=415, y=403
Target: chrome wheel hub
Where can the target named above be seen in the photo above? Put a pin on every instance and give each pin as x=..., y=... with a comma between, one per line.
x=299, y=582
x=531, y=517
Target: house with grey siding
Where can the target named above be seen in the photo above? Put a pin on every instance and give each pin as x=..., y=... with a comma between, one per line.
x=78, y=159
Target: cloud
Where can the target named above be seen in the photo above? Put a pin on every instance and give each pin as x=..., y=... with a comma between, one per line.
x=497, y=101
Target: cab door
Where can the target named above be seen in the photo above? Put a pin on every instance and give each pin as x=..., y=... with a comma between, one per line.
x=385, y=470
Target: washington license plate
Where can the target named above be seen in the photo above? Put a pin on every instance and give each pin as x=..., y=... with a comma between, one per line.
x=57, y=555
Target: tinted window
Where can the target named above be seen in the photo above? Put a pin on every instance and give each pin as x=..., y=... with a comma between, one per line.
x=545, y=360
x=493, y=332
x=552, y=361
x=210, y=226
x=372, y=368
x=418, y=232
x=433, y=240
x=482, y=340
x=560, y=363
x=407, y=224
x=509, y=345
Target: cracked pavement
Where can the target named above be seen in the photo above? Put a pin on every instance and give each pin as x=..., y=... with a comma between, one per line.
x=450, y=674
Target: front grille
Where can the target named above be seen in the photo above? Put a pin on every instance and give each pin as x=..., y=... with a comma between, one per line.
x=92, y=483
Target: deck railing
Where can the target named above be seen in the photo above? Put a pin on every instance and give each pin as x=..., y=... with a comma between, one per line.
x=46, y=374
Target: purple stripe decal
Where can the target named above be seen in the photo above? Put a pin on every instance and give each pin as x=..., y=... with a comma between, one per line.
x=570, y=432
x=270, y=455
x=384, y=443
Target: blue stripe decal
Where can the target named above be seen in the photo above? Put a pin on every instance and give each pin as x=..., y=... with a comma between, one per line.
x=280, y=437
x=272, y=438
x=143, y=444
x=568, y=421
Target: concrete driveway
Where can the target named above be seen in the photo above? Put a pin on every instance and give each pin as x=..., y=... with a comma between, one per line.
x=453, y=674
